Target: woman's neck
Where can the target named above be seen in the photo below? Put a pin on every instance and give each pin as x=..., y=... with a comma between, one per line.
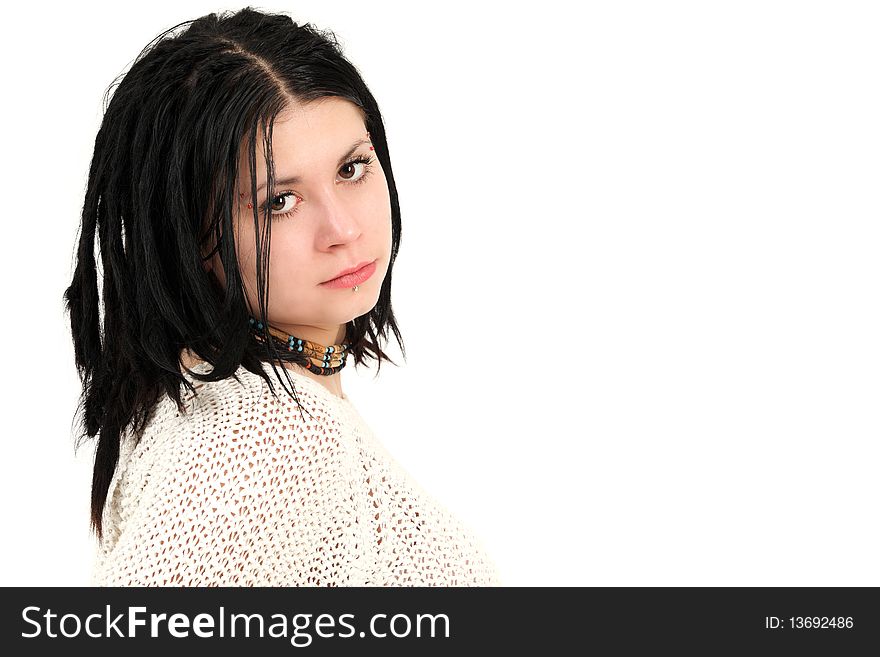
x=333, y=383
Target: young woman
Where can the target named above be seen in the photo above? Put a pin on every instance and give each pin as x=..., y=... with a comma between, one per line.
x=246, y=131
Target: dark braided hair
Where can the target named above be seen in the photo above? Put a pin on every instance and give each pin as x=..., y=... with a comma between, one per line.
x=168, y=147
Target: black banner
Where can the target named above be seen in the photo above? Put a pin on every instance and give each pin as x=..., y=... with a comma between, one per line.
x=419, y=621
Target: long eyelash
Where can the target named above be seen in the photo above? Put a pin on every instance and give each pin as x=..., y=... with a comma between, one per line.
x=366, y=160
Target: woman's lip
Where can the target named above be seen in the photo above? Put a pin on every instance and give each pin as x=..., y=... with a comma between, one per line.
x=354, y=278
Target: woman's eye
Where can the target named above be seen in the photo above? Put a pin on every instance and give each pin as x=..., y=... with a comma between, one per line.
x=284, y=203
x=353, y=167
x=350, y=172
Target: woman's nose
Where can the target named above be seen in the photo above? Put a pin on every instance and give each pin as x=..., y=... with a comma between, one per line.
x=339, y=221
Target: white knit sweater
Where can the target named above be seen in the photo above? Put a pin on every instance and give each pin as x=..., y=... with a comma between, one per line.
x=242, y=491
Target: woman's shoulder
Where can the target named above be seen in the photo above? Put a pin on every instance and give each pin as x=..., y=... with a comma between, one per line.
x=237, y=427
x=243, y=409
x=241, y=468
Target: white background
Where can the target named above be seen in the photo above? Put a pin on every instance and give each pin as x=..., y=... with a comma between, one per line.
x=638, y=279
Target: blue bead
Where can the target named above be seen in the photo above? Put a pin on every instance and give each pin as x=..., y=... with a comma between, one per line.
x=330, y=349
x=299, y=348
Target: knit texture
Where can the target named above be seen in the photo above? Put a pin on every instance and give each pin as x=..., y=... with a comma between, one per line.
x=247, y=490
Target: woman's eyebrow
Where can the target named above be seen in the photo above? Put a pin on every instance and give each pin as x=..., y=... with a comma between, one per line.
x=293, y=180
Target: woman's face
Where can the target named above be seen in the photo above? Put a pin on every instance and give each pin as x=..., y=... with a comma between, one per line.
x=335, y=216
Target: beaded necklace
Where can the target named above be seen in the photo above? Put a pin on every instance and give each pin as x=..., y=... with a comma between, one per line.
x=323, y=360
